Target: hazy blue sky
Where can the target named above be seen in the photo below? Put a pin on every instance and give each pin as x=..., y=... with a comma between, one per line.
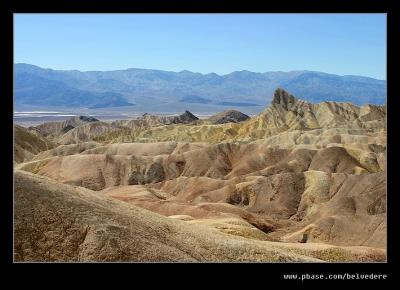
x=335, y=43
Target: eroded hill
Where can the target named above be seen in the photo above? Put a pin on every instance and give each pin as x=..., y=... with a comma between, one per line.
x=298, y=176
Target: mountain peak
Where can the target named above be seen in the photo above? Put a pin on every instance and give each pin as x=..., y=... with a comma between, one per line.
x=77, y=121
x=228, y=116
x=81, y=118
x=185, y=71
x=281, y=97
x=188, y=116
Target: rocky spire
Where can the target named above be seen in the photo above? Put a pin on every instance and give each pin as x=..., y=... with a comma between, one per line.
x=188, y=117
x=281, y=97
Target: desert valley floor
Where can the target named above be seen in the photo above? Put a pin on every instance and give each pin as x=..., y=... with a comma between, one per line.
x=298, y=182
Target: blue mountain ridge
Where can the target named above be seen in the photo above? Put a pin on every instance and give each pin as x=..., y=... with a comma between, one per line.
x=34, y=85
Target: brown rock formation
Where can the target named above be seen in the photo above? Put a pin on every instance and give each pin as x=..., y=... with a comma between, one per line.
x=298, y=181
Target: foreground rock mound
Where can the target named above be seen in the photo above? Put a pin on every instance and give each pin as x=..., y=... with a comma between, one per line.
x=55, y=222
x=316, y=190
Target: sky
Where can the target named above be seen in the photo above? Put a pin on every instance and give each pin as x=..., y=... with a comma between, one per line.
x=343, y=44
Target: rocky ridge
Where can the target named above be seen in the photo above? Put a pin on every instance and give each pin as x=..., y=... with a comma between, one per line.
x=300, y=176
x=228, y=116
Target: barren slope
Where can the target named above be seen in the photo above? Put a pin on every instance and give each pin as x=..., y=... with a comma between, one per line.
x=298, y=176
x=55, y=222
x=27, y=144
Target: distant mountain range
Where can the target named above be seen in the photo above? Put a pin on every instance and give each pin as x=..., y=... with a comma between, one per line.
x=103, y=89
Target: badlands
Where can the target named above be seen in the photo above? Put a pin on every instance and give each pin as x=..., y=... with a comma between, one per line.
x=299, y=182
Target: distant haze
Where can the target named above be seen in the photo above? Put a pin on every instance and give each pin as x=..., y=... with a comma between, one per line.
x=145, y=89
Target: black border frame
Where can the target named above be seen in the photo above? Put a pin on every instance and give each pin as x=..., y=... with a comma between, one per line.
x=172, y=271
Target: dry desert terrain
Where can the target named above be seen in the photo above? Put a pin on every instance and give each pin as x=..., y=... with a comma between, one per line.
x=298, y=182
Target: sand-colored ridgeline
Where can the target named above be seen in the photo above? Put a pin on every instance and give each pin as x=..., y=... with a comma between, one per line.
x=297, y=182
